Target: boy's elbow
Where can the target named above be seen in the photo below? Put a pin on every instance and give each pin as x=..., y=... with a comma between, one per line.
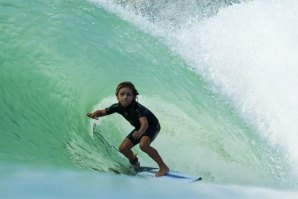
x=146, y=125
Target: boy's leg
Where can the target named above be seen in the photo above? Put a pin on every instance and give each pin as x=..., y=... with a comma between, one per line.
x=145, y=146
x=125, y=149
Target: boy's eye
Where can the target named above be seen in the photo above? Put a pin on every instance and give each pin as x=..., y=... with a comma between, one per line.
x=122, y=94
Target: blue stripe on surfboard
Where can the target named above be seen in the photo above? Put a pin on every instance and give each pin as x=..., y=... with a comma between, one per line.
x=169, y=174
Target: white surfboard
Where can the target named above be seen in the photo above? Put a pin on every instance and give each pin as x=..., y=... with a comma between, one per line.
x=171, y=175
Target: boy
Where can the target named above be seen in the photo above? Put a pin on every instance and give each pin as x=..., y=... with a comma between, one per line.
x=146, y=125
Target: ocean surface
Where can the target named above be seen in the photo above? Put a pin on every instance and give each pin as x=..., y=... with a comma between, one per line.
x=221, y=76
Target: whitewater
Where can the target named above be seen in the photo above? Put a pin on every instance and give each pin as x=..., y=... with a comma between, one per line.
x=220, y=76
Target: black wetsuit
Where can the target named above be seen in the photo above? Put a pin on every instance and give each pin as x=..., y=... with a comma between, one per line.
x=132, y=113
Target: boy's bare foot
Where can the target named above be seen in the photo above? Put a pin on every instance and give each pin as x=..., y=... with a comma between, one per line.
x=162, y=171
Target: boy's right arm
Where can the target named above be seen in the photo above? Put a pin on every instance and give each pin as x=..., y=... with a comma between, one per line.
x=96, y=114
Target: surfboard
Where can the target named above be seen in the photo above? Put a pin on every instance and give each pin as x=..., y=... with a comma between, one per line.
x=171, y=175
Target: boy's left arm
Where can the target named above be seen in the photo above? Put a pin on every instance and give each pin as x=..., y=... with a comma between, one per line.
x=144, y=125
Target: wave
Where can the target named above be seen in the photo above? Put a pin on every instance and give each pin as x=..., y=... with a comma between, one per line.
x=61, y=60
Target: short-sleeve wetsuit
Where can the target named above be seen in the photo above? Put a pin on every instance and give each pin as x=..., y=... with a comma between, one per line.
x=132, y=113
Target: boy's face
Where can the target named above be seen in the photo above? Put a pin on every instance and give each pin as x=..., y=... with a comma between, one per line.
x=125, y=96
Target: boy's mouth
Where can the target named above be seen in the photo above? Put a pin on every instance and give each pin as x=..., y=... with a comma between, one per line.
x=125, y=102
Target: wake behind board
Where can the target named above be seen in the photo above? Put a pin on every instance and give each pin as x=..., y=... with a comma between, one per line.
x=171, y=175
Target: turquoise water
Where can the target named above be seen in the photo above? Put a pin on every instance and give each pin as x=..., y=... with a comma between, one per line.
x=219, y=78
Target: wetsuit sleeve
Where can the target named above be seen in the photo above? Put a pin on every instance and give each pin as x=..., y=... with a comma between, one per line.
x=112, y=109
x=141, y=112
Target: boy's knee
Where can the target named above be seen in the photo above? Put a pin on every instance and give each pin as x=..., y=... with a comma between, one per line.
x=144, y=147
x=122, y=149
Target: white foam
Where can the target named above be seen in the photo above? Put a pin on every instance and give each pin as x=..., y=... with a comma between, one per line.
x=249, y=51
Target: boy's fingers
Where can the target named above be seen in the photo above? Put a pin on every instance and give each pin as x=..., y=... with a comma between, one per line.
x=91, y=116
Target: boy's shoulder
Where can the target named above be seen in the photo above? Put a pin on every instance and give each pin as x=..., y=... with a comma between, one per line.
x=141, y=107
x=138, y=105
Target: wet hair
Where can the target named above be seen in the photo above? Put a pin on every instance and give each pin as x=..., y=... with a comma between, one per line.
x=129, y=85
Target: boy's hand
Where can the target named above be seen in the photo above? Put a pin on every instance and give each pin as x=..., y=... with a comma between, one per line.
x=92, y=115
x=136, y=134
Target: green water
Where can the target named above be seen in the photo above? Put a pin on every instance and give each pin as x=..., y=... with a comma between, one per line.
x=62, y=59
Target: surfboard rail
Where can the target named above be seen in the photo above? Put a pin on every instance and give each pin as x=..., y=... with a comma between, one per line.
x=171, y=175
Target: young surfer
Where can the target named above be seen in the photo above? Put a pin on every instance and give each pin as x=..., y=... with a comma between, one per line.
x=144, y=121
